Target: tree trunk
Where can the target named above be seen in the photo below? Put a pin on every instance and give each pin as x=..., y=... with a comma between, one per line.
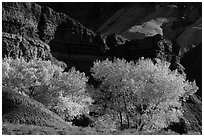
x=121, y=119
x=128, y=121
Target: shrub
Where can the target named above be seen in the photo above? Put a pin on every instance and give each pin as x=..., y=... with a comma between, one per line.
x=106, y=123
x=62, y=92
x=144, y=95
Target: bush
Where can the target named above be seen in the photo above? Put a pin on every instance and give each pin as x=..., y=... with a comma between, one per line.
x=62, y=92
x=106, y=123
x=143, y=95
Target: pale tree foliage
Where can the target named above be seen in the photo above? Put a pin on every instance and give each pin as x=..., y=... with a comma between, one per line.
x=145, y=95
x=62, y=92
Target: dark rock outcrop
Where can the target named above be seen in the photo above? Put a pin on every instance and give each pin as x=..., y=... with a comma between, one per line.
x=90, y=14
x=30, y=28
x=76, y=45
x=192, y=62
x=31, y=20
x=150, y=47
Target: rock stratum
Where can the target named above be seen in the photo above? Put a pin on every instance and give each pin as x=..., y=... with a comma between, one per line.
x=170, y=31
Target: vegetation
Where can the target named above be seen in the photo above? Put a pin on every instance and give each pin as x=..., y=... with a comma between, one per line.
x=142, y=95
x=61, y=92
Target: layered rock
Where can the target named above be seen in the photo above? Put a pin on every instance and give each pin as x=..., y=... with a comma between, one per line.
x=16, y=45
x=78, y=46
x=131, y=50
x=32, y=21
x=28, y=29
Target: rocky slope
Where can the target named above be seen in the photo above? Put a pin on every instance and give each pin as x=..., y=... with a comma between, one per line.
x=19, y=109
x=130, y=31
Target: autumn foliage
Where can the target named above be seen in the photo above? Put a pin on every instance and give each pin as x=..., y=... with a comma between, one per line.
x=143, y=95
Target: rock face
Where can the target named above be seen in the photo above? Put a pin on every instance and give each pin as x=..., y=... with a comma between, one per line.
x=123, y=19
x=29, y=20
x=90, y=14
x=174, y=21
x=16, y=45
x=69, y=41
x=76, y=45
x=30, y=26
x=21, y=18
x=19, y=109
x=138, y=22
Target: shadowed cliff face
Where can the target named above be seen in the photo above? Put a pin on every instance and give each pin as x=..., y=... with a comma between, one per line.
x=90, y=14
x=68, y=40
x=192, y=62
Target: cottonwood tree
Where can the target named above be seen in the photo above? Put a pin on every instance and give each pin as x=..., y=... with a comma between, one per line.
x=145, y=95
x=61, y=92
